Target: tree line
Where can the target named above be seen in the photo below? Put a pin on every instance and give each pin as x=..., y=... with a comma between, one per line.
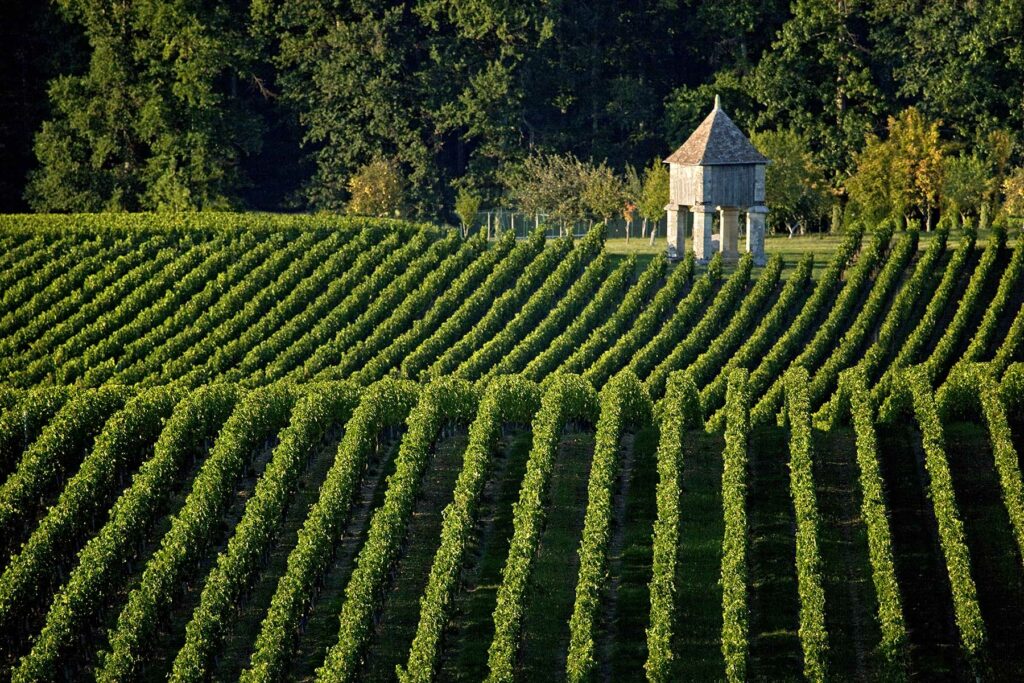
x=328, y=105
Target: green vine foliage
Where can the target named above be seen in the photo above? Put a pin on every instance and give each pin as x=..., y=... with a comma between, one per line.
x=735, y=627
x=813, y=635
x=104, y=563
x=384, y=403
x=566, y=397
x=442, y=401
x=624, y=404
x=505, y=399
x=680, y=411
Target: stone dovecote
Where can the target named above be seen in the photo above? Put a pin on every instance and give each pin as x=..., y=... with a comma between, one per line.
x=717, y=170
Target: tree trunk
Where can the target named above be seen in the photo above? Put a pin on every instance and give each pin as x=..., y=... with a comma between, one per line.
x=643, y=228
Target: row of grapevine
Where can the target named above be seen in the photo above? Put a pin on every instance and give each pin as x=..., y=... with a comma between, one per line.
x=581, y=294
x=540, y=303
x=550, y=355
x=257, y=317
x=938, y=362
x=506, y=399
x=894, y=323
x=843, y=354
x=504, y=276
x=26, y=258
x=774, y=362
x=322, y=407
x=813, y=635
x=442, y=401
x=257, y=419
x=926, y=325
x=651, y=326
x=193, y=362
x=913, y=393
x=680, y=353
x=624, y=403
x=63, y=258
x=567, y=397
x=446, y=304
x=149, y=356
x=362, y=308
x=712, y=392
x=546, y=268
x=971, y=391
x=735, y=628
x=136, y=299
x=101, y=293
x=413, y=306
x=106, y=558
x=680, y=412
x=827, y=333
x=385, y=403
x=74, y=268
x=634, y=302
x=23, y=418
x=1008, y=284
x=1010, y=347
x=125, y=437
x=50, y=458
x=243, y=266
x=503, y=309
x=853, y=392
x=71, y=226
x=340, y=271
x=182, y=290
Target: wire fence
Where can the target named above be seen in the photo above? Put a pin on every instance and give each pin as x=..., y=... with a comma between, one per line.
x=499, y=221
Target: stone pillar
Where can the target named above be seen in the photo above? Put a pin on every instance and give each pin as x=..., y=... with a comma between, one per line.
x=676, y=222
x=755, y=233
x=703, y=219
x=729, y=239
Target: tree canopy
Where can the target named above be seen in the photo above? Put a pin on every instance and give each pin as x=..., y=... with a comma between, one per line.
x=178, y=104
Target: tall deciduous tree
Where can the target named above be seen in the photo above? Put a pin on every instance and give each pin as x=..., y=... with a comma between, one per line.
x=818, y=79
x=654, y=196
x=900, y=176
x=795, y=185
x=155, y=122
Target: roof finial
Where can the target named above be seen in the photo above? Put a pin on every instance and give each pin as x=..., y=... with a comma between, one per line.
x=718, y=102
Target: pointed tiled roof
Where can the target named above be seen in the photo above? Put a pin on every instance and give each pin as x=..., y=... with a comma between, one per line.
x=717, y=140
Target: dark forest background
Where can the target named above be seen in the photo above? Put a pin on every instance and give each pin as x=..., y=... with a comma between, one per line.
x=269, y=105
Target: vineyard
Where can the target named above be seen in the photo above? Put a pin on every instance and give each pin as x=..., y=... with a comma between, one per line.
x=291, y=448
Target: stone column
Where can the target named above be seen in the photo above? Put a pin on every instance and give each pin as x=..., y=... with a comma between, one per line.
x=703, y=219
x=729, y=239
x=755, y=233
x=676, y=221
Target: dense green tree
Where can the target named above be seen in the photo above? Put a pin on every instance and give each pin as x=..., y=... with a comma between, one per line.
x=377, y=189
x=818, y=79
x=155, y=121
x=965, y=181
x=795, y=185
x=900, y=176
x=654, y=196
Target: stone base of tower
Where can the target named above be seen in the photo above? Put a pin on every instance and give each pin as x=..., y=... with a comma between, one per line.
x=755, y=233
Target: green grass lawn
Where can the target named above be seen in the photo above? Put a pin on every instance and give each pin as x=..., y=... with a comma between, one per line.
x=822, y=245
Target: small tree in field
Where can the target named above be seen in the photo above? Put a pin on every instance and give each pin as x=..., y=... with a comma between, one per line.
x=551, y=184
x=654, y=196
x=467, y=205
x=602, y=191
x=965, y=181
x=377, y=189
x=795, y=186
x=632, y=191
x=1013, y=190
